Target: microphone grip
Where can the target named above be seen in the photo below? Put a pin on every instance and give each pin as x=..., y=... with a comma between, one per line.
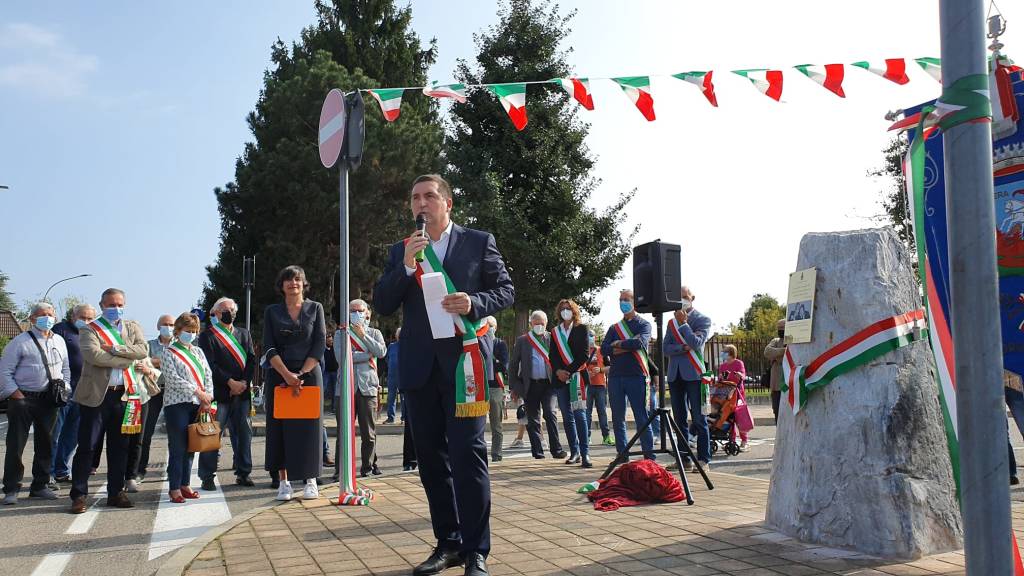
x=421, y=227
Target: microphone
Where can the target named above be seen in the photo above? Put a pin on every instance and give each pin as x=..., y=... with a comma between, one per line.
x=421, y=227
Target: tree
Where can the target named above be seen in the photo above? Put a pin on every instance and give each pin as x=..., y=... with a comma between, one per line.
x=759, y=319
x=6, y=297
x=530, y=188
x=894, y=196
x=283, y=205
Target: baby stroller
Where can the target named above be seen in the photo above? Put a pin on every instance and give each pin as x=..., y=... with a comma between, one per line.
x=722, y=417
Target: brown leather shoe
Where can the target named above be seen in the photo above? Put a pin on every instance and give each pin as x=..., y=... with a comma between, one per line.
x=78, y=505
x=120, y=501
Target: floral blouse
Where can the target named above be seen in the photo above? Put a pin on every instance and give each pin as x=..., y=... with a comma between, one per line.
x=179, y=383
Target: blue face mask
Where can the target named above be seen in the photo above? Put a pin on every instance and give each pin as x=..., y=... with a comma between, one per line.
x=114, y=313
x=626, y=306
x=44, y=323
x=80, y=324
x=167, y=331
x=355, y=317
x=187, y=337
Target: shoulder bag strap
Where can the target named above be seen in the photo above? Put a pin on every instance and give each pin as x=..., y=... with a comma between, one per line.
x=42, y=354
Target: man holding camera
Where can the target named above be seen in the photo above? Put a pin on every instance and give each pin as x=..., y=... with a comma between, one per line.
x=31, y=365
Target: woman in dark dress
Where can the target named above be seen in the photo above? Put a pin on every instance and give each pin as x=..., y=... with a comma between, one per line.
x=294, y=337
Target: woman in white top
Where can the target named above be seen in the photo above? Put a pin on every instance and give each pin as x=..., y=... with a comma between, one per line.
x=188, y=390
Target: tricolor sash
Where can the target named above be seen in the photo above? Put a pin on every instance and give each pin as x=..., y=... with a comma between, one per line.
x=622, y=329
x=540, y=347
x=577, y=392
x=111, y=336
x=195, y=368
x=471, y=391
x=350, y=494
x=696, y=359
x=227, y=338
x=359, y=346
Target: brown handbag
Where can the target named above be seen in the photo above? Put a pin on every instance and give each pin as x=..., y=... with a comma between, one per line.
x=203, y=436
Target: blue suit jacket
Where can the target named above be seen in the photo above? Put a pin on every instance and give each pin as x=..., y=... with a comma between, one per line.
x=695, y=332
x=475, y=267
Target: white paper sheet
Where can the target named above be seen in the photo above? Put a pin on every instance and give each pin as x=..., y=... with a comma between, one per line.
x=442, y=324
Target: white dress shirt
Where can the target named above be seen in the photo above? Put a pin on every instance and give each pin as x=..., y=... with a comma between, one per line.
x=440, y=247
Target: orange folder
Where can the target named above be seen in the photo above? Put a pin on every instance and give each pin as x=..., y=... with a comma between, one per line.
x=288, y=406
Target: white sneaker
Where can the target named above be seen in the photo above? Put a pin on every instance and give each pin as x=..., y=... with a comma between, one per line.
x=311, y=492
x=131, y=486
x=517, y=443
x=284, y=491
x=743, y=446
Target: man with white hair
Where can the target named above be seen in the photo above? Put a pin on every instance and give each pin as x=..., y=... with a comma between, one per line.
x=229, y=350
x=529, y=374
x=65, y=433
x=367, y=347
x=32, y=363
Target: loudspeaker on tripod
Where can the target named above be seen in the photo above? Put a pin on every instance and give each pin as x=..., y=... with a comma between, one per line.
x=657, y=277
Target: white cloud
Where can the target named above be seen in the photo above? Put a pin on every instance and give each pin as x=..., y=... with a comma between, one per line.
x=41, y=62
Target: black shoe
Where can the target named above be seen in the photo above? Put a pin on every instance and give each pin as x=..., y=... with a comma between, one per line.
x=440, y=559
x=275, y=483
x=67, y=480
x=407, y=467
x=476, y=565
x=1014, y=480
x=364, y=473
x=574, y=459
x=587, y=463
x=375, y=470
x=495, y=457
x=244, y=481
x=389, y=421
x=539, y=456
x=559, y=454
x=209, y=485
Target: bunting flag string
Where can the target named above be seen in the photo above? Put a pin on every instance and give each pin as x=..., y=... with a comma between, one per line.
x=769, y=82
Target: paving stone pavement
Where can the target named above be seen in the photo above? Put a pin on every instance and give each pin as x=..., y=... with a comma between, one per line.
x=539, y=525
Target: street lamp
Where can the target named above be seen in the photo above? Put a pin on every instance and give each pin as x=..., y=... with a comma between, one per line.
x=47, y=293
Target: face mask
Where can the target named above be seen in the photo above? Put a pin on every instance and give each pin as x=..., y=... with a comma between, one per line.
x=591, y=340
x=538, y=329
x=626, y=306
x=566, y=314
x=187, y=337
x=491, y=330
x=723, y=357
x=167, y=331
x=44, y=323
x=80, y=324
x=782, y=333
x=114, y=313
x=686, y=304
x=355, y=317
x=227, y=317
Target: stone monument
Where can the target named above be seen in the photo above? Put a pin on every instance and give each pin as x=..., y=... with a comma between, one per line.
x=864, y=465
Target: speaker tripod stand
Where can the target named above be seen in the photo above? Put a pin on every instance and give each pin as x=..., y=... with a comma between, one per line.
x=668, y=428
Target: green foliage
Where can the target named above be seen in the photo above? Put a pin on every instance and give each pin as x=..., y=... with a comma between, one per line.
x=6, y=297
x=3, y=342
x=759, y=319
x=283, y=205
x=894, y=196
x=531, y=188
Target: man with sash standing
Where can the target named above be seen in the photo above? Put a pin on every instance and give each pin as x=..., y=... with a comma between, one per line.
x=626, y=342
x=530, y=375
x=498, y=363
x=367, y=347
x=444, y=379
x=229, y=351
x=109, y=397
x=688, y=330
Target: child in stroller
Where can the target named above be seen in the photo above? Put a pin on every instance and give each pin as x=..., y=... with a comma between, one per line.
x=726, y=395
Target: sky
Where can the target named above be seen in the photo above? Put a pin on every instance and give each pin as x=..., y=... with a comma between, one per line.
x=117, y=122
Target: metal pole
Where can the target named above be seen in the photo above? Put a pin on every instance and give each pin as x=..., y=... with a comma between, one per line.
x=248, y=295
x=977, y=340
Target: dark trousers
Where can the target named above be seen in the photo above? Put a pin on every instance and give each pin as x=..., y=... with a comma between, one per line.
x=131, y=471
x=408, y=446
x=540, y=398
x=95, y=421
x=233, y=415
x=686, y=400
x=453, y=465
x=156, y=405
x=23, y=414
x=776, y=399
x=598, y=395
x=65, y=439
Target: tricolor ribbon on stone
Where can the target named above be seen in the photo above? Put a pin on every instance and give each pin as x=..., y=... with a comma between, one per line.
x=638, y=89
x=131, y=423
x=349, y=492
x=390, y=100
x=830, y=76
x=578, y=88
x=577, y=392
x=456, y=92
x=769, y=82
x=228, y=340
x=471, y=390
x=703, y=81
x=513, y=100
x=852, y=353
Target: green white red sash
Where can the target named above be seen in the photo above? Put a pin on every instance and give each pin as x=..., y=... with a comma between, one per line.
x=694, y=357
x=360, y=346
x=227, y=338
x=858, y=350
x=577, y=392
x=471, y=391
x=195, y=368
x=350, y=494
x=622, y=329
x=111, y=336
x=539, y=345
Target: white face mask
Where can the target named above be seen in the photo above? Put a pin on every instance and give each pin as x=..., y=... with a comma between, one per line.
x=538, y=329
x=687, y=304
x=566, y=314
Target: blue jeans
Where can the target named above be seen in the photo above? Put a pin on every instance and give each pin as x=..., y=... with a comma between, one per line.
x=575, y=424
x=686, y=399
x=177, y=417
x=65, y=439
x=651, y=406
x=233, y=416
x=635, y=389
x=598, y=395
x=393, y=397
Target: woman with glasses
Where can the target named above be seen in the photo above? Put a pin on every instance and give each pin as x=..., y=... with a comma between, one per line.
x=295, y=338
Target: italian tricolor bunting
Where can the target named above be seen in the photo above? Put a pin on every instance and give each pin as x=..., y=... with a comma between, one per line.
x=349, y=493
x=894, y=69
x=769, y=82
x=390, y=100
x=702, y=80
x=513, y=100
x=578, y=88
x=638, y=88
x=454, y=91
x=933, y=66
x=830, y=76
x=111, y=336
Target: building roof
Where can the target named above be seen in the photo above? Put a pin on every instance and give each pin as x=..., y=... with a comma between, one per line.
x=9, y=326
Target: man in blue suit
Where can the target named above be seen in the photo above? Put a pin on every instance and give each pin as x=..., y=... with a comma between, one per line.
x=451, y=449
x=688, y=330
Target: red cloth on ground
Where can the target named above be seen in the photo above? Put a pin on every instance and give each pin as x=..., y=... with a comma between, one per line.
x=636, y=483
